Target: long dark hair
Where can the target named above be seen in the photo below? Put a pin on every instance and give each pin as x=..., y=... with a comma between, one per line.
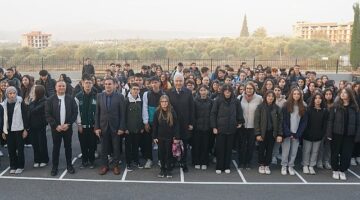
x=266, y=94
x=26, y=90
x=352, y=100
x=39, y=92
x=313, y=97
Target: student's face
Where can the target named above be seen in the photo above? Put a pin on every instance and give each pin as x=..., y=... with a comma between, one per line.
x=297, y=70
x=158, y=72
x=282, y=83
x=139, y=80
x=25, y=81
x=328, y=95
x=242, y=76
x=135, y=91
x=227, y=94
x=221, y=74
x=227, y=81
x=319, y=82
x=301, y=83
x=60, y=88
x=203, y=92
x=206, y=81
x=215, y=86
x=344, y=95
x=324, y=79
x=341, y=85
x=241, y=89
x=269, y=85
x=109, y=86
x=9, y=73
x=277, y=92
x=270, y=98
x=198, y=81
x=164, y=103
x=162, y=77
x=296, y=95
x=155, y=85
x=132, y=80
x=317, y=100
x=311, y=87
x=87, y=84
x=190, y=86
x=11, y=95
x=43, y=78
x=249, y=90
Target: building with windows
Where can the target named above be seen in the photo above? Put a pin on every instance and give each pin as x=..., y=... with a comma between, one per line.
x=36, y=39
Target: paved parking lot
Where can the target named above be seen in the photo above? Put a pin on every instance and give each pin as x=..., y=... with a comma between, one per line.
x=86, y=183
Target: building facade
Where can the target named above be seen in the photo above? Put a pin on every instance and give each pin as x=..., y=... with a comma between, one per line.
x=333, y=32
x=36, y=39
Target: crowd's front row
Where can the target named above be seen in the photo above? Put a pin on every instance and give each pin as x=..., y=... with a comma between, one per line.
x=175, y=119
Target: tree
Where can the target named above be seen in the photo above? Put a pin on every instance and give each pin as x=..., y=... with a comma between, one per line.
x=244, y=30
x=260, y=32
x=355, y=38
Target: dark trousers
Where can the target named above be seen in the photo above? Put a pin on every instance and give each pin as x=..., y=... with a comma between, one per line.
x=110, y=144
x=146, y=145
x=183, y=160
x=15, y=143
x=223, y=151
x=356, y=151
x=341, y=151
x=246, y=145
x=266, y=149
x=132, y=147
x=87, y=141
x=200, y=147
x=39, y=143
x=57, y=138
x=165, y=154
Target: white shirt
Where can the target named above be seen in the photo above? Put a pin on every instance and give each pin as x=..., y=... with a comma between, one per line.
x=62, y=109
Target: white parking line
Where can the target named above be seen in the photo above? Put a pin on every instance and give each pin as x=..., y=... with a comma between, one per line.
x=239, y=171
x=182, y=178
x=124, y=174
x=178, y=182
x=357, y=176
x=7, y=169
x=300, y=177
x=64, y=173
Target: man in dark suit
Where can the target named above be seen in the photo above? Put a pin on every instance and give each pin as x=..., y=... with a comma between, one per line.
x=61, y=112
x=110, y=124
x=182, y=100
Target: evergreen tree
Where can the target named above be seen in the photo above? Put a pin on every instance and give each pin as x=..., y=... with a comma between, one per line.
x=355, y=38
x=244, y=30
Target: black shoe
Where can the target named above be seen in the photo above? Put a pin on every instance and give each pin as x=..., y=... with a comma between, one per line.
x=54, y=171
x=91, y=165
x=138, y=165
x=71, y=169
x=129, y=168
x=161, y=174
x=84, y=165
x=185, y=169
x=169, y=174
x=247, y=167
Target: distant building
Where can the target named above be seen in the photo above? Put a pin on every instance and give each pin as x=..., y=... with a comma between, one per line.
x=36, y=39
x=333, y=32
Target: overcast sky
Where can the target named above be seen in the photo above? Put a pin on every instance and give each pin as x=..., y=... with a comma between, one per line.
x=206, y=17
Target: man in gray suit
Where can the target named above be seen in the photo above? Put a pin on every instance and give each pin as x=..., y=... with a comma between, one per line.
x=110, y=124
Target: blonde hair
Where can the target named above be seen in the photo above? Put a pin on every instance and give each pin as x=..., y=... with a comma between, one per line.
x=167, y=115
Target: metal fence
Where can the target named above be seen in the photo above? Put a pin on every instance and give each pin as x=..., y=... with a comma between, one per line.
x=58, y=65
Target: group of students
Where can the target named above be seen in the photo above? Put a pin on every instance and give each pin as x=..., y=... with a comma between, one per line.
x=214, y=114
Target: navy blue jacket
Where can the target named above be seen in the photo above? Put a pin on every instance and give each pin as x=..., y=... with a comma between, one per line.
x=286, y=125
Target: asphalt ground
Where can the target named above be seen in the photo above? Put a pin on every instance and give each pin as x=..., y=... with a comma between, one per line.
x=36, y=183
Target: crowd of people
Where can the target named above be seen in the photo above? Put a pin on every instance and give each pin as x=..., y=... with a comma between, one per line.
x=270, y=111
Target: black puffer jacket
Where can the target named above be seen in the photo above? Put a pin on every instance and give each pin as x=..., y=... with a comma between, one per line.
x=226, y=115
x=36, y=114
x=337, y=118
x=261, y=120
x=202, y=113
x=316, y=126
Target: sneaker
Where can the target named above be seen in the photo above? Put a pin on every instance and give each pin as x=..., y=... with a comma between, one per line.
x=214, y=160
x=203, y=167
x=227, y=171
x=320, y=165
x=129, y=167
x=71, y=169
x=36, y=165
x=83, y=165
x=159, y=163
x=353, y=162
x=197, y=167
x=19, y=171
x=342, y=176
x=80, y=155
x=312, y=170
x=306, y=170
x=138, y=165
x=218, y=171
x=54, y=171
x=274, y=161
x=43, y=164
x=261, y=170
x=291, y=171
x=357, y=159
x=161, y=174
x=1, y=154
x=336, y=175
x=96, y=155
x=283, y=170
x=91, y=165
x=327, y=166
x=267, y=170
x=169, y=174
x=148, y=164
x=5, y=146
x=12, y=171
